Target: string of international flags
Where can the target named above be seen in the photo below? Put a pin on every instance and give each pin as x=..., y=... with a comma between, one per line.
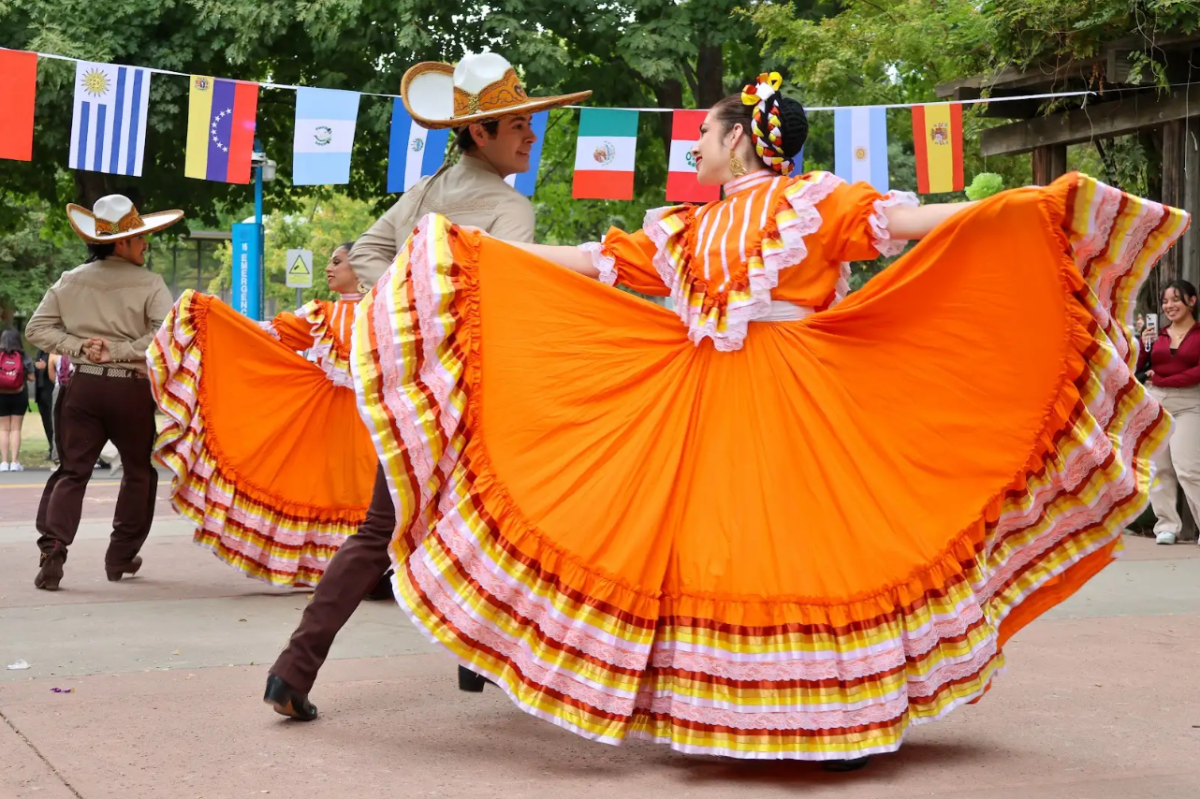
x=111, y=105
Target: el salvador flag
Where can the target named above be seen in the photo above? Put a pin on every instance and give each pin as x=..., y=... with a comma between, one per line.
x=414, y=152
x=108, y=130
x=325, y=121
x=526, y=182
x=860, y=146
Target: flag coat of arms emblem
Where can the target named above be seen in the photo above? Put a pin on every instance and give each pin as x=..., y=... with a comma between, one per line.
x=682, y=185
x=605, y=153
x=937, y=144
x=860, y=146
x=526, y=182
x=108, y=129
x=414, y=152
x=324, y=136
x=220, y=138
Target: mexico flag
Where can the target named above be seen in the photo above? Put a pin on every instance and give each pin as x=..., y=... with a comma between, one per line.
x=937, y=142
x=682, y=185
x=604, y=154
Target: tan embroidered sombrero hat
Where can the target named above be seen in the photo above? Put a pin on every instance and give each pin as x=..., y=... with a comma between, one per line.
x=114, y=217
x=482, y=86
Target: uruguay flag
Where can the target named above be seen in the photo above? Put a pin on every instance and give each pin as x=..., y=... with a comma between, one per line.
x=108, y=130
x=414, y=152
x=526, y=182
x=325, y=121
x=860, y=146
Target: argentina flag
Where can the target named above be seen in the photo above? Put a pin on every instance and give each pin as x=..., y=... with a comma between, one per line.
x=860, y=146
x=414, y=152
x=108, y=131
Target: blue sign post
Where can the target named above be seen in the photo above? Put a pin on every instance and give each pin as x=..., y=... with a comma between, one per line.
x=247, y=286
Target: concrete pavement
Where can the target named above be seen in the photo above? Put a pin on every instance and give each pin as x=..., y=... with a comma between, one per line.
x=1099, y=699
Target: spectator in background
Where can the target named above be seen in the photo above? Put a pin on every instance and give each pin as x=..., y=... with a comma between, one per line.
x=16, y=373
x=43, y=395
x=1172, y=369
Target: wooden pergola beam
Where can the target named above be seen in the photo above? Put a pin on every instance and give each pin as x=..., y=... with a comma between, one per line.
x=1055, y=73
x=1140, y=110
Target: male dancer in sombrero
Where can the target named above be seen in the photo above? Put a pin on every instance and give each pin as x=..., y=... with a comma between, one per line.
x=483, y=99
x=103, y=315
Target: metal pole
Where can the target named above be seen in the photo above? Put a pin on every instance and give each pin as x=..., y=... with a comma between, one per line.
x=299, y=298
x=258, y=220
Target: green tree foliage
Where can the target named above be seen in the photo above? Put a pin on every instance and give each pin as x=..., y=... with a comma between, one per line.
x=328, y=222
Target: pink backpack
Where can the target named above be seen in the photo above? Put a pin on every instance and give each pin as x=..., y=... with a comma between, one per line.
x=12, y=372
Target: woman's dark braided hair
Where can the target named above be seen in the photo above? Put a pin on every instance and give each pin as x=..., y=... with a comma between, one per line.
x=777, y=124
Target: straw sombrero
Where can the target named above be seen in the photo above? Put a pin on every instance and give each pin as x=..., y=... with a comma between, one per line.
x=481, y=87
x=114, y=217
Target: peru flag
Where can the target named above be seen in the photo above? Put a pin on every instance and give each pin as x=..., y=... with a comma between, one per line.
x=682, y=185
x=18, y=88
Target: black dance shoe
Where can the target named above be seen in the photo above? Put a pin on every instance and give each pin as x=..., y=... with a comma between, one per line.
x=287, y=701
x=845, y=766
x=470, y=682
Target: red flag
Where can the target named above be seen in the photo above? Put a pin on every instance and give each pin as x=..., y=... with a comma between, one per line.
x=18, y=88
x=682, y=185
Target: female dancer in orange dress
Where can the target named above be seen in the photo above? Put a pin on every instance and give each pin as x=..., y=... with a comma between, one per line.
x=271, y=460
x=776, y=522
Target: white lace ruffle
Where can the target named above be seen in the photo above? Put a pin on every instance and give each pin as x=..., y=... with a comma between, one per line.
x=606, y=264
x=883, y=240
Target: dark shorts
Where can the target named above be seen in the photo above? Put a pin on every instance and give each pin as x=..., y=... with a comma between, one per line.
x=14, y=404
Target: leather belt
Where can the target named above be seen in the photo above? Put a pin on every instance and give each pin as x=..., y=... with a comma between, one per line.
x=106, y=371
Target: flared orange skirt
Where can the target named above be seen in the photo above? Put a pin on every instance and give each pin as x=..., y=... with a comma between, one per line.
x=795, y=550
x=271, y=461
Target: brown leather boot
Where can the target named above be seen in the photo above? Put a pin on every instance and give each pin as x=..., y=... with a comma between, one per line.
x=130, y=568
x=51, y=572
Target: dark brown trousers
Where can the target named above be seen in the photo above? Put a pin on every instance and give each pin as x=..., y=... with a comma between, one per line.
x=91, y=411
x=352, y=572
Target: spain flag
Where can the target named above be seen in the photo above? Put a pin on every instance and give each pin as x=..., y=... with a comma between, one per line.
x=938, y=144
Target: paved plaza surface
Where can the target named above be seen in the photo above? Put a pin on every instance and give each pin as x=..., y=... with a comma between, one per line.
x=1101, y=697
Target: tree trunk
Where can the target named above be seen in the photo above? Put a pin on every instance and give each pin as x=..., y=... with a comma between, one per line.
x=668, y=95
x=91, y=186
x=710, y=74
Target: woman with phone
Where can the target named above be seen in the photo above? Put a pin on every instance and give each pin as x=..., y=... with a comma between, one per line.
x=1171, y=360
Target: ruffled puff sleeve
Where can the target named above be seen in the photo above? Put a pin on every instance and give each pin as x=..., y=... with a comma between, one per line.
x=635, y=260
x=855, y=221
x=294, y=330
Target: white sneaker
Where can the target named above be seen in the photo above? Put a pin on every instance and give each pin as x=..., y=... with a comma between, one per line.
x=3, y=467
x=1164, y=538
x=16, y=467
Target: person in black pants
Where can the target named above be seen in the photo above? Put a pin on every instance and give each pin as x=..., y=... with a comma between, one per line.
x=43, y=395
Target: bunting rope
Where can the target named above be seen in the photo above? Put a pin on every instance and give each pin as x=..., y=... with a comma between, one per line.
x=293, y=87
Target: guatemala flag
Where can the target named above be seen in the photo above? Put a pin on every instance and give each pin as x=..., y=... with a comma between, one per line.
x=415, y=152
x=860, y=146
x=108, y=131
x=325, y=120
x=526, y=182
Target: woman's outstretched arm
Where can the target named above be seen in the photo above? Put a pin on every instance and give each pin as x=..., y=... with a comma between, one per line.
x=571, y=257
x=907, y=222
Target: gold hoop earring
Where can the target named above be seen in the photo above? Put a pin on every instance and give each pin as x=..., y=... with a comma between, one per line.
x=736, y=166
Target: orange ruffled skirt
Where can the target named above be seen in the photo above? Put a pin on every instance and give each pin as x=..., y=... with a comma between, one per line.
x=271, y=461
x=795, y=550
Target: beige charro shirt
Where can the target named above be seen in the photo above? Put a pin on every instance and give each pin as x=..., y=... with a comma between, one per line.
x=468, y=193
x=110, y=299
